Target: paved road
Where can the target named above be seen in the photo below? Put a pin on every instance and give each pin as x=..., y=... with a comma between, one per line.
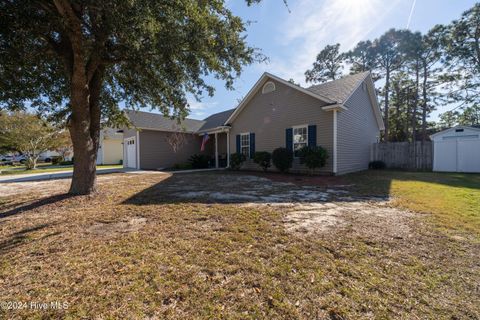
x=50, y=175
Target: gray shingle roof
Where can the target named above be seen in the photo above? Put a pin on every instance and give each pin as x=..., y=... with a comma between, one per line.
x=216, y=119
x=339, y=90
x=155, y=121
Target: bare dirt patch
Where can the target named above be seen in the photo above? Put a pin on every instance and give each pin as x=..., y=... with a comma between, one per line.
x=115, y=228
x=42, y=188
x=369, y=219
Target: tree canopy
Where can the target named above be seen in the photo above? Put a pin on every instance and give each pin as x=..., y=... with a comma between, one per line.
x=415, y=73
x=327, y=66
x=28, y=135
x=80, y=60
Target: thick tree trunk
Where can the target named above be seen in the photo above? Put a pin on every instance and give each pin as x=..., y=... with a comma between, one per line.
x=84, y=165
x=84, y=152
x=86, y=76
x=85, y=134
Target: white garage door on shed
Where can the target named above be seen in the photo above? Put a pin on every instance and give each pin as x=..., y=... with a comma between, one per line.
x=457, y=150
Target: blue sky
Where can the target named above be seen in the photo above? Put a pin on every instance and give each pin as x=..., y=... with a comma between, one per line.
x=291, y=40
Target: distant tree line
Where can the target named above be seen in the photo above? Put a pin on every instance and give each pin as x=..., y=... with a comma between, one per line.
x=415, y=73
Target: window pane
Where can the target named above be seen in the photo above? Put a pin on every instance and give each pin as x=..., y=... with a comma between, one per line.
x=245, y=144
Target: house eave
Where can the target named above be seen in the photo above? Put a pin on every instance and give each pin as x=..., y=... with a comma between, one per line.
x=337, y=107
x=218, y=129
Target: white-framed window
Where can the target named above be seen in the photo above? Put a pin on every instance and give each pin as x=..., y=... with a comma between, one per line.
x=300, y=138
x=245, y=144
x=268, y=87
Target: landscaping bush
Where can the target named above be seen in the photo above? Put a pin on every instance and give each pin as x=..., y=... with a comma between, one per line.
x=377, y=165
x=66, y=163
x=182, y=166
x=313, y=157
x=199, y=161
x=236, y=160
x=263, y=158
x=282, y=159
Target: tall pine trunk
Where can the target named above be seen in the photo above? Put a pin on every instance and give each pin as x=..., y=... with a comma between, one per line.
x=387, y=89
x=415, y=103
x=424, y=103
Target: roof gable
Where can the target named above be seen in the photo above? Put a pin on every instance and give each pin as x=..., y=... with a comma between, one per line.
x=258, y=85
x=452, y=129
x=216, y=120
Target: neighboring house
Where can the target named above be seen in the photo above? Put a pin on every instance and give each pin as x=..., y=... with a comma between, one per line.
x=110, y=150
x=342, y=116
x=457, y=149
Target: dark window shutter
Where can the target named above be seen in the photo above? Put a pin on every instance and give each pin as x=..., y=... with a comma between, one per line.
x=238, y=143
x=289, y=139
x=252, y=144
x=312, y=136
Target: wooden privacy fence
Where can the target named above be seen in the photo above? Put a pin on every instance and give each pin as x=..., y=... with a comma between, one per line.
x=404, y=155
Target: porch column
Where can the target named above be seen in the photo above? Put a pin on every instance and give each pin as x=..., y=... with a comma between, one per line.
x=228, y=149
x=216, y=151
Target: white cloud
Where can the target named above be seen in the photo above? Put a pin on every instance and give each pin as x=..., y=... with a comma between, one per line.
x=199, y=108
x=313, y=24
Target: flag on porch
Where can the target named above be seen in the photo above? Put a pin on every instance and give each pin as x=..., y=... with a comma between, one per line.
x=204, y=141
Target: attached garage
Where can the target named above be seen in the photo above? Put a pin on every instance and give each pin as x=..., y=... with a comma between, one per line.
x=457, y=150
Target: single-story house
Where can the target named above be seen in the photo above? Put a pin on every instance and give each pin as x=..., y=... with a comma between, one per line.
x=343, y=116
x=457, y=149
x=110, y=150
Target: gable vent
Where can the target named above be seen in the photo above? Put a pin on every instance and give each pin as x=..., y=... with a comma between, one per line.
x=268, y=87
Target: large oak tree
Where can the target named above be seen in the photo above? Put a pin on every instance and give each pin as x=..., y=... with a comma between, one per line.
x=79, y=59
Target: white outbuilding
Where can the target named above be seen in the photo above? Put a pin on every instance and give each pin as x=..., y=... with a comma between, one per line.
x=457, y=149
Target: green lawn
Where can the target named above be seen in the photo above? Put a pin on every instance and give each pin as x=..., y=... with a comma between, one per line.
x=46, y=167
x=453, y=199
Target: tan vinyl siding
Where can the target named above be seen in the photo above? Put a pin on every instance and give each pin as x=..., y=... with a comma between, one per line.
x=268, y=115
x=155, y=152
x=112, y=151
x=357, y=130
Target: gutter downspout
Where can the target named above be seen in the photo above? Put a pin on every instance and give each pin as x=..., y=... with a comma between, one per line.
x=334, y=141
x=137, y=148
x=228, y=148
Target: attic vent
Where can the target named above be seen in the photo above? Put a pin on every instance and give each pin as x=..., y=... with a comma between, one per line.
x=268, y=87
x=458, y=130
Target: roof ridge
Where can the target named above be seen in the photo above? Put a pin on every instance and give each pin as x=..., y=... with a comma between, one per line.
x=339, y=79
x=161, y=115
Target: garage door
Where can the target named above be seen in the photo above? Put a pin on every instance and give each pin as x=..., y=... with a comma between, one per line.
x=457, y=155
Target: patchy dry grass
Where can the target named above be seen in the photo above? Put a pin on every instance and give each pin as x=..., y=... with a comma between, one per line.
x=139, y=251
